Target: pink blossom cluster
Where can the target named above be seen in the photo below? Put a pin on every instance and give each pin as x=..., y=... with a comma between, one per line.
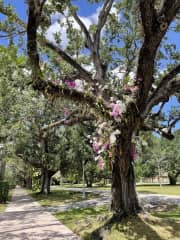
x=132, y=89
x=96, y=147
x=100, y=164
x=71, y=84
x=116, y=110
x=99, y=148
x=66, y=112
x=140, y=79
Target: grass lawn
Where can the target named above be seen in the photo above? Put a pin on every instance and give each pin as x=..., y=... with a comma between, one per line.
x=90, y=224
x=164, y=189
x=144, y=188
x=58, y=197
x=173, y=212
x=2, y=207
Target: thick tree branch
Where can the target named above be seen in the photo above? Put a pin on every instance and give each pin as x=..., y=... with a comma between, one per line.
x=157, y=114
x=32, y=26
x=69, y=122
x=101, y=70
x=169, y=10
x=169, y=85
x=102, y=20
x=173, y=122
x=42, y=2
x=89, y=41
x=155, y=26
x=163, y=131
x=94, y=45
x=48, y=87
x=148, y=16
x=83, y=74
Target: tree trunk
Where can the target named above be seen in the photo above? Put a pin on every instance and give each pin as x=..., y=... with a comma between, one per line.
x=172, y=179
x=89, y=179
x=46, y=181
x=29, y=182
x=2, y=169
x=124, y=197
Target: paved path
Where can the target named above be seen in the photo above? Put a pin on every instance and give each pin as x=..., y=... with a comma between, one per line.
x=25, y=219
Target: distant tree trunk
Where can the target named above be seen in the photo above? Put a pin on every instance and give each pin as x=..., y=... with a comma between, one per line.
x=172, y=178
x=46, y=180
x=89, y=179
x=2, y=169
x=124, y=197
x=29, y=182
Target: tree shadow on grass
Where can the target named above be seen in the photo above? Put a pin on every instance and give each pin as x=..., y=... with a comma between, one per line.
x=130, y=228
x=171, y=225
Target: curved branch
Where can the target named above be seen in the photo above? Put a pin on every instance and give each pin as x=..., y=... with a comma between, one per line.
x=163, y=131
x=32, y=50
x=148, y=15
x=101, y=21
x=94, y=45
x=84, y=29
x=155, y=26
x=82, y=72
x=169, y=85
x=69, y=122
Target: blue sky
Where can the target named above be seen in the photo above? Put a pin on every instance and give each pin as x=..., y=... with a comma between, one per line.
x=87, y=10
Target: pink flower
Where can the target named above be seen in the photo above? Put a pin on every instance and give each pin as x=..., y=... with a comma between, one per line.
x=56, y=82
x=140, y=79
x=100, y=164
x=70, y=84
x=95, y=147
x=116, y=110
x=66, y=112
x=106, y=146
x=133, y=152
x=132, y=89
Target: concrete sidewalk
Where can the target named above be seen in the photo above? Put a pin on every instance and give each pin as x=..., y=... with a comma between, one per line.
x=25, y=219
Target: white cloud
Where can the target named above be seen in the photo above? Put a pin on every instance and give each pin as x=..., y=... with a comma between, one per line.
x=57, y=28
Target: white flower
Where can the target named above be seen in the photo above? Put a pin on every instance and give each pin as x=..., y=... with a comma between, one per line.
x=96, y=158
x=116, y=132
x=102, y=125
x=112, y=138
x=99, y=131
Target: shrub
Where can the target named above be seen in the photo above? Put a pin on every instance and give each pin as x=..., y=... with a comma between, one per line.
x=4, y=190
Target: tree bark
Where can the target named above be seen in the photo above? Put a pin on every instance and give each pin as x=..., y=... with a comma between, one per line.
x=172, y=179
x=124, y=197
x=2, y=169
x=46, y=181
x=89, y=179
x=29, y=182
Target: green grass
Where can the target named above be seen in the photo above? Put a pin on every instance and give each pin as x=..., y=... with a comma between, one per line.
x=91, y=224
x=173, y=212
x=144, y=188
x=156, y=189
x=83, y=221
x=59, y=197
x=2, y=207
